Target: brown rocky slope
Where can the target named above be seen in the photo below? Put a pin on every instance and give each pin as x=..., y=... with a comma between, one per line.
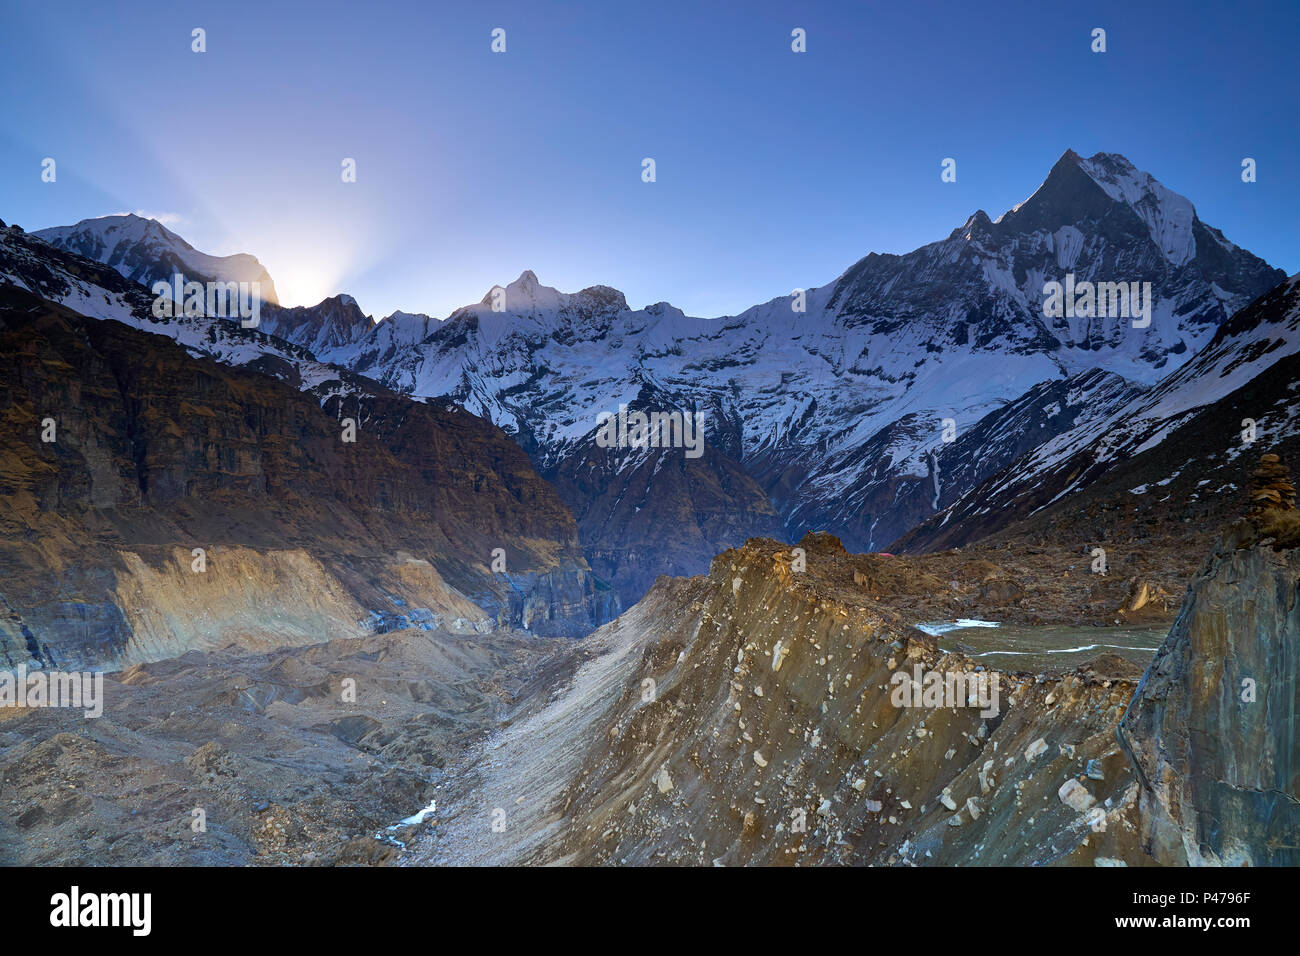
x=747, y=718
x=769, y=736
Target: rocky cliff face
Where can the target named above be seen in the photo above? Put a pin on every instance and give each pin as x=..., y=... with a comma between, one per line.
x=306, y=535
x=749, y=717
x=1212, y=729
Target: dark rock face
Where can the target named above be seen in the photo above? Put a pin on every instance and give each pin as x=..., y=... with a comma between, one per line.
x=1212, y=727
x=158, y=452
x=549, y=603
x=659, y=512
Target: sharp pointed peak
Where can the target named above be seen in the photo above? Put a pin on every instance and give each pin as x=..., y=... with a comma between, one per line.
x=977, y=223
x=527, y=282
x=1070, y=186
x=339, y=298
x=525, y=293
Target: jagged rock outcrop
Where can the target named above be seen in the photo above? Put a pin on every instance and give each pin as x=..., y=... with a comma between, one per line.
x=1212, y=728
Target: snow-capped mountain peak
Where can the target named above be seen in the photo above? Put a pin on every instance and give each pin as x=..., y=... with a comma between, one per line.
x=523, y=296
x=1086, y=189
x=526, y=296
x=146, y=251
x=332, y=326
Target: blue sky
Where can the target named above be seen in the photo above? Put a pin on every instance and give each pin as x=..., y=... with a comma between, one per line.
x=775, y=170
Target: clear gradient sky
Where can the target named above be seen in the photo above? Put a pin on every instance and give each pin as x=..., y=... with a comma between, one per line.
x=775, y=170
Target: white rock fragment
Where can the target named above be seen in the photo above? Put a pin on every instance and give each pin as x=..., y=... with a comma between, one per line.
x=1076, y=796
x=1036, y=748
x=663, y=781
x=760, y=759
x=987, y=782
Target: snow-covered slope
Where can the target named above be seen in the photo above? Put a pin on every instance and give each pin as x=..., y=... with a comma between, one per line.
x=1197, y=417
x=146, y=251
x=831, y=408
x=329, y=329
x=56, y=275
